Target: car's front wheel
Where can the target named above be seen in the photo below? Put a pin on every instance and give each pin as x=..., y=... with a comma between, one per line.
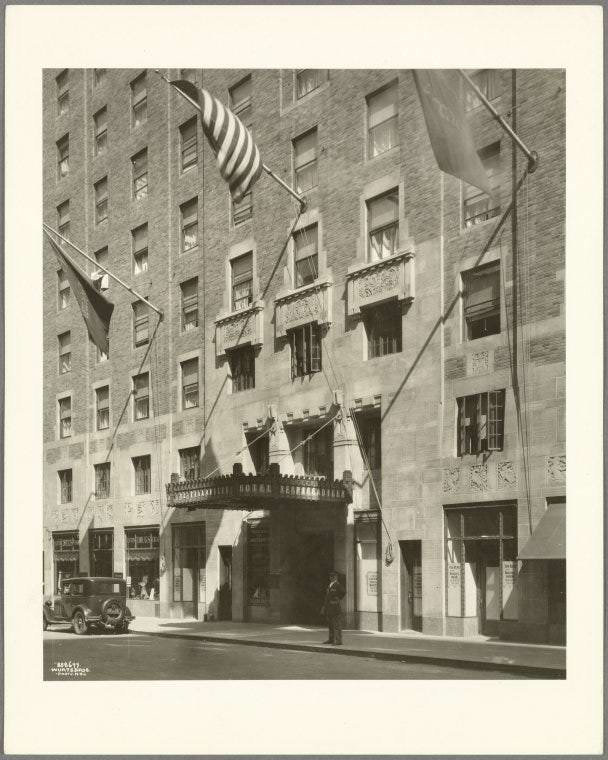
x=79, y=624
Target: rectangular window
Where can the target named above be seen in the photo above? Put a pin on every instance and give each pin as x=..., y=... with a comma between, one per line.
x=102, y=480
x=477, y=206
x=482, y=301
x=189, y=224
x=485, y=79
x=99, y=77
x=139, y=101
x=139, y=168
x=242, y=282
x=383, y=328
x=306, y=256
x=101, y=131
x=318, y=452
x=242, y=368
x=139, y=246
x=189, y=144
x=65, y=353
x=63, y=157
x=101, y=552
x=101, y=200
x=65, y=486
x=141, y=397
x=66, y=555
x=189, y=304
x=100, y=279
x=259, y=450
x=383, y=225
x=188, y=562
x=143, y=562
x=305, y=343
x=305, y=161
x=189, y=75
x=189, y=371
x=190, y=463
x=142, y=472
x=308, y=80
x=63, y=219
x=63, y=93
x=243, y=209
x=141, y=327
x=240, y=100
x=63, y=289
x=102, y=403
x=481, y=422
x=382, y=116
x=65, y=417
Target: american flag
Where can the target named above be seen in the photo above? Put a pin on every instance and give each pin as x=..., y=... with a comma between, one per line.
x=238, y=157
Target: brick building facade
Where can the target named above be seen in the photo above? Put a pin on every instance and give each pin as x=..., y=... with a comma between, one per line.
x=405, y=424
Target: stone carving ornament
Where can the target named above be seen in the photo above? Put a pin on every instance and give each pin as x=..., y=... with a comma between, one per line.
x=506, y=476
x=306, y=307
x=480, y=363
x=451, y=478
x=556, y=468
x=479, y=477
x=378, y=282
x=238, y=329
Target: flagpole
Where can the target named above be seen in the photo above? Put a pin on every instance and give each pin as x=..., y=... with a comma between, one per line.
x=46, y=229
x=301, y=200
x=531, y=155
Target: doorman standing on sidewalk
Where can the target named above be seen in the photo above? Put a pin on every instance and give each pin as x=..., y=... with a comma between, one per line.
x=332, y=609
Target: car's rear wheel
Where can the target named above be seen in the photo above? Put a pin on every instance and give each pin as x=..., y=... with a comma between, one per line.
x=79, y=624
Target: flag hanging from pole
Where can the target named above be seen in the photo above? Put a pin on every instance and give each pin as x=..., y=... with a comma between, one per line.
x=96, y=309
x=238, y=157
x=446, y=122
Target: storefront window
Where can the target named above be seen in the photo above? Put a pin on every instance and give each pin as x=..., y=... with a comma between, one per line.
x=66, y=551
x=189, y=563
x=481, y=562
x=258, y=562
x=143, y=562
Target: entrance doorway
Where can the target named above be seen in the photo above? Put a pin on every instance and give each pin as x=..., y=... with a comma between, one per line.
x=313, y=562
x=483, y=560
x=189, y=568
x=411, y=585
x=225, y=600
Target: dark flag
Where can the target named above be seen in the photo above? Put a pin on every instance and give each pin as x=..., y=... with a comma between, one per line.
x=238, y=157
x=96, y=309
x=446, y=122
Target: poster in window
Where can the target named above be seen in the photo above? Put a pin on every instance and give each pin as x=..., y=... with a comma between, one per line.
x=372, y=583
x=454, y=588
x=509, y=590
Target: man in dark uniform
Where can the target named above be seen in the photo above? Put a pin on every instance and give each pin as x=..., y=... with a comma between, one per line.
x=333, y=610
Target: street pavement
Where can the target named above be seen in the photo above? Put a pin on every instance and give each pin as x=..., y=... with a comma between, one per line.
x=140, y=656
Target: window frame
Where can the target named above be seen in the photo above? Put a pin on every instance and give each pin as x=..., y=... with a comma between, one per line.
x=141, y=394
x=471, y=196
x=65, y=413
x=190, y=462
x=139, y=255
x=144, y=486
x=488, y=88
x=311, y=166
x=62, y=84
x=100, y=132
x=480, y=422
x=189, y=304
x=186, y=144
x=102, y=199
x=375, y=319
x=66, y=485
x=240, y=281
x=99, y=77
x=302, y=280
x=188, y=223
x=63, y=156
x=306, y=346
x=394, y=119
x=242, y=108
x=63, y=220
x=189, y=392
x=102, y=472
x=140, y=102
x=493, y=309
x=65, y=350
x=139, y=192
x=141, y=322
x=382, y=228
x=102, y=408
x=64, y=290
x=318, y=460
x=322, y=76
x=241, y=361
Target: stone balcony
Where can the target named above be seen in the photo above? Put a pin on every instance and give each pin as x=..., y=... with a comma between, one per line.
x=247, y=492
x=377, y=281
x=311, y=303
x=240, y=328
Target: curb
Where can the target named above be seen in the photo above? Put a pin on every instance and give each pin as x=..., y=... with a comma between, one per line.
x=534, y=671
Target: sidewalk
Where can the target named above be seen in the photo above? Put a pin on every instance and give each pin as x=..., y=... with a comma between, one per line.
x=528, y=659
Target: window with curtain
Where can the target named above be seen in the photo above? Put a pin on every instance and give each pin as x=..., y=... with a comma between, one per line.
x=305, y=344
x=142, y=473
x=190, y=463
x=242, y=282
x=65, y=353
x=305, y=161
x=139, y=168
x=383, y=225
x=383, y=328
x=382, y=118
x=101, y=200
x=63, y=92
x=101, y=131
x=242, y=368
x=102, y=480
x=63, y=157
x=63, y=219
x=478, y=207
x=102, y=399
x=189, y=291
x=65, y=486
x=141, y=327
x=189, y=223
x=308, y=80
x=241, y=100
x=141, y=397
x=482, y=301
x=65, y=417
x=189, y=144
x=139, y=101
x=139, y=245
x=63, y=290
x=189, y=371
x=306, y=255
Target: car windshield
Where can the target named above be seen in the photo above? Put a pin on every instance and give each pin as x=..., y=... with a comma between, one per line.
x=108, y=587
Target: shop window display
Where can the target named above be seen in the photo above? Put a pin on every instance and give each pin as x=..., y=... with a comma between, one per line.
x=143, y=563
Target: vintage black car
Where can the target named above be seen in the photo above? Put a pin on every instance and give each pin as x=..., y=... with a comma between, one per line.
x=89, y=603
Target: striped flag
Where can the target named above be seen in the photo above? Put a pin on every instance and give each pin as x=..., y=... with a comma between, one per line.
x=238, y=157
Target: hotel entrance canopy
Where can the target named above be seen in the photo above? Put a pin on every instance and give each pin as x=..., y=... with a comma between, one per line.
x=246, y=492
x=548, y=540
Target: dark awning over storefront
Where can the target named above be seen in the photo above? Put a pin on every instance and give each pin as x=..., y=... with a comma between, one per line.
x=548, y=540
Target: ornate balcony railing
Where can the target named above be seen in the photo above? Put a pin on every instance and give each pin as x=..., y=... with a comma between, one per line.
x=374, y=282
x=240, y=491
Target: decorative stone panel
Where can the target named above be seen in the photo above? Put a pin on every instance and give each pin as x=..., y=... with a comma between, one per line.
x=478, y=477
x=506, y=475
x=479, y=363
x=240, y=328
x=369, y=284
x=451, y=479
x=312, y=303
x=556, y=470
